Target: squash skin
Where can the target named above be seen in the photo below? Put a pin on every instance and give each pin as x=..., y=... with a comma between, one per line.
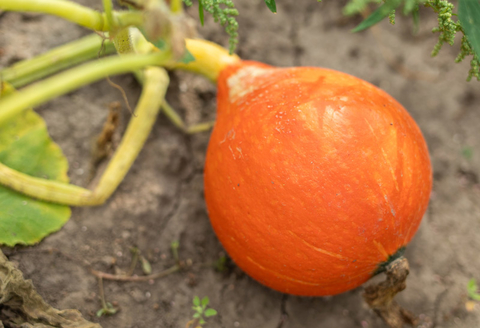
x=313, y=177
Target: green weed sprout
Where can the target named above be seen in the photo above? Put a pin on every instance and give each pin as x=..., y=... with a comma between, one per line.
x=472, y=289
x=201, y=311
x=107, y=310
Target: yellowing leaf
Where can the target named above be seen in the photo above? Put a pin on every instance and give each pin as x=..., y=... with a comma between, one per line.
x=25, y=146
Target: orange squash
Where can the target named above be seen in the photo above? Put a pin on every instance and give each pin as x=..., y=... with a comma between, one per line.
x=314, y=179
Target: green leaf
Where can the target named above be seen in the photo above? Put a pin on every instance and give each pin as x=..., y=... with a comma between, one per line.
x=110, y=309
x=472, y=289
x=475, y=296
x=202, y=321
x=467, y=152
x=469, y=16
x=174, y=245
x=159, y=43
x=271, y=5
x=187, y=57
x=472, y=285
x=210, y=313
x=196, y=299
x=416, y=21
x=409, y=6
x=379, y=14
x=205, y=301
x=26, y=147
x=221, y=264
x=201, y=12
x=146, y=267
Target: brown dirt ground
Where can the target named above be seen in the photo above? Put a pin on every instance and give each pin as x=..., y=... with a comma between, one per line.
x=161, y=199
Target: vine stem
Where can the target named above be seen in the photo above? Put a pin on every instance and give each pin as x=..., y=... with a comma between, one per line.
x=65, y=56
x=153, y=93
x=75, y=13
x=108, y=8
x=210, y=60
x=75, y=78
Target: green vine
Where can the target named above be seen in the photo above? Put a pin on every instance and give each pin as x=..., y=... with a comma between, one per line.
x=446, y=26
x=223, y=11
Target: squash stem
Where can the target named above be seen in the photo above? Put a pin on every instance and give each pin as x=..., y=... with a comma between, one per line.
x=210, y=59
x=382, y=267
x=380, y=297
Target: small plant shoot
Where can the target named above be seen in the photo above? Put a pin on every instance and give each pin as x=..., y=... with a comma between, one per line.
x=202, y=311
x=473, y=291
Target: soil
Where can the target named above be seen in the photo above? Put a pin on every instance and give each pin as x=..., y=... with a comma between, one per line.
x=161, y=199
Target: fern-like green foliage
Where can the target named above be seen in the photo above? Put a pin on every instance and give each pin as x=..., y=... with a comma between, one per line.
x=391, y=17
x=223, y=11
x=447, y=27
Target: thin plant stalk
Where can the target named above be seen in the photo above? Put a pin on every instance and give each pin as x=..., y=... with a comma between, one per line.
x=74, y=13
x=55, y=60
x=75, y=78
x=153, y=93
x=108, y=8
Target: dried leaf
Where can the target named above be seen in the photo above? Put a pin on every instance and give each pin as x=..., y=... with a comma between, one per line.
x=22, y=306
